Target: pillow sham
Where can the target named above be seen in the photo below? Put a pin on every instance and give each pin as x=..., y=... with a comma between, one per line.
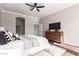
x=2, y=29
x=27, y=42
x=34, y=40
x=41, y=41
x=13, y=36
x=3, y=39
x=8, y=35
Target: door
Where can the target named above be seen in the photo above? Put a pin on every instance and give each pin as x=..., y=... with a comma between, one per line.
x=38, y=29
x=20, y=25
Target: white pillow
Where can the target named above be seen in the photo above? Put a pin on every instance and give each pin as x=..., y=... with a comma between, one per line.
x=34, y=40
x=33, y=36
x=2, y=28
x=27, y=42
x=11, y=34
x=41, y=41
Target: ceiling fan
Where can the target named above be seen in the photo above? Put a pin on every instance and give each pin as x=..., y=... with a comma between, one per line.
x=35, y=6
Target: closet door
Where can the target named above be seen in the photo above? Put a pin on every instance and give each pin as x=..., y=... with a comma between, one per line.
x=41, y=30
x=38, y=29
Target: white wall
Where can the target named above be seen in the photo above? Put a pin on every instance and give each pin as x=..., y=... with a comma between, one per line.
x=29, y=23
x=0, y=16
x=8, y=20
x=70, y=23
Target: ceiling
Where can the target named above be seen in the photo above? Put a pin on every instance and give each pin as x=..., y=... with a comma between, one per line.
x=49, y=9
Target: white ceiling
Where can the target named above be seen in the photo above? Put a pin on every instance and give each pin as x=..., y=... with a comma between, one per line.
x=49, y=9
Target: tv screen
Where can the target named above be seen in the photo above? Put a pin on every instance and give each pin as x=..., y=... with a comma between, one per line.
x=54, y=26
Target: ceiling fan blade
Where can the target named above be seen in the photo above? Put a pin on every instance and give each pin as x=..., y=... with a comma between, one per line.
x=32, y=8
x=38, y=10
x=35, y=4
x=40, y=6
x=29, y=5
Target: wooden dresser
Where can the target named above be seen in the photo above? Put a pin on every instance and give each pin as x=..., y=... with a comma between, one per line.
x=54, y=36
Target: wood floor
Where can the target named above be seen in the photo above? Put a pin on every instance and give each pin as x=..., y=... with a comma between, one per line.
x=68, y=54
x=70, y=49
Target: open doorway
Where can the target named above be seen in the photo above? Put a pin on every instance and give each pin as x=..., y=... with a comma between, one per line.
x=20, y=25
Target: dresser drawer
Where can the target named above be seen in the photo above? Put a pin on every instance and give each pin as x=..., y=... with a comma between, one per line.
x=54, y=36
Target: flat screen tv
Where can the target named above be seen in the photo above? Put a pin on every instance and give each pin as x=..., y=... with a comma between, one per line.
x=54, y=26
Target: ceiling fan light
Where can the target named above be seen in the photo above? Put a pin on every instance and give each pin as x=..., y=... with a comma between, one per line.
x=35, y=9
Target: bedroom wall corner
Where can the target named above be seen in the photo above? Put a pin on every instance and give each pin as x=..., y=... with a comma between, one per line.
x=69, y=19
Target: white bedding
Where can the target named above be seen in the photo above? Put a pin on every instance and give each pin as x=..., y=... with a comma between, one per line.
x=27, y=48
x=42, y=41
x=38, y=44
x=41, y=47
x=43, y=53
x=32, y=51
x=12, y=48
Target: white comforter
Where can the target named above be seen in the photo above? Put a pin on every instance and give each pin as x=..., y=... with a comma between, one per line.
x=14, y=48
x=17, y=48
x=43, y=48
x=24, y=48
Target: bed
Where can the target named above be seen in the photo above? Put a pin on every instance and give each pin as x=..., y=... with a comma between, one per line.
x=22, y=48
x=29, y=45
x=43, y=48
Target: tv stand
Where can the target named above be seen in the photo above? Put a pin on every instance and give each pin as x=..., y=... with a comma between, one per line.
x=54, y=36
x=56, y=30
